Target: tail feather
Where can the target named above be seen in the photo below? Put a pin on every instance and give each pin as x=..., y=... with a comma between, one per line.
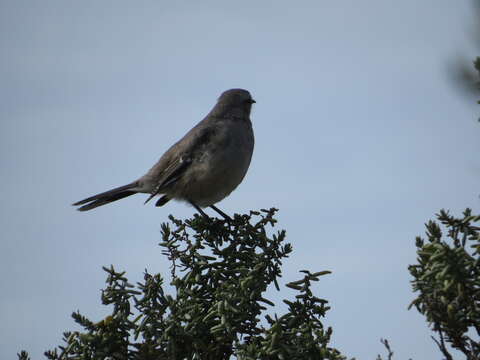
x=103, y=201
x=106, y=197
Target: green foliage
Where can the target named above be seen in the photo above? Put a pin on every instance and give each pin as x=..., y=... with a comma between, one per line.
x=447, y=279
x=219, y=273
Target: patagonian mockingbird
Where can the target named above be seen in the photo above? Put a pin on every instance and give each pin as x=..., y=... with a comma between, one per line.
x=204, y=166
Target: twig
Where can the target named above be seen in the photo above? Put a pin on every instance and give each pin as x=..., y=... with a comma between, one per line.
x=442, y=347
x=387, y=346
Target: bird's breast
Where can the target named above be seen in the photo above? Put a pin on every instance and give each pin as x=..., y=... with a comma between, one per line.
x=220, y=166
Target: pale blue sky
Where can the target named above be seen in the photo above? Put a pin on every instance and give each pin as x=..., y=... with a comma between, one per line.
x=360, y=138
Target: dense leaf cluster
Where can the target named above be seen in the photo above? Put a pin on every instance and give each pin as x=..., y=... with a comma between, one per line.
x=215, y=307
x=447, y=279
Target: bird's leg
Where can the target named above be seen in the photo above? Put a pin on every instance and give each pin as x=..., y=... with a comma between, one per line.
x=199, y=210
x=225, y=216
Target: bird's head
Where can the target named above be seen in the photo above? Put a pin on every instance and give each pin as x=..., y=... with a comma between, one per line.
x=235, y=103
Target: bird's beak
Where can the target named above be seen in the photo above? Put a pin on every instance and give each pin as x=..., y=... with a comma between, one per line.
x=252, y=101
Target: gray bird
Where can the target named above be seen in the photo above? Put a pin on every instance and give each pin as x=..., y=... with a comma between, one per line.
x=204, y=166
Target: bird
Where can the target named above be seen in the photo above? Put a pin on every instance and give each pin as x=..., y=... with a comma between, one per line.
x=203, y=167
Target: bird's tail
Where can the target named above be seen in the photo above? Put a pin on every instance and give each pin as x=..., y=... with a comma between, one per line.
x=106, y=197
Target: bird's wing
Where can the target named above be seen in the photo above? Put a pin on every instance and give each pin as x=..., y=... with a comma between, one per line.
x=170, y=174
x=181, y=154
